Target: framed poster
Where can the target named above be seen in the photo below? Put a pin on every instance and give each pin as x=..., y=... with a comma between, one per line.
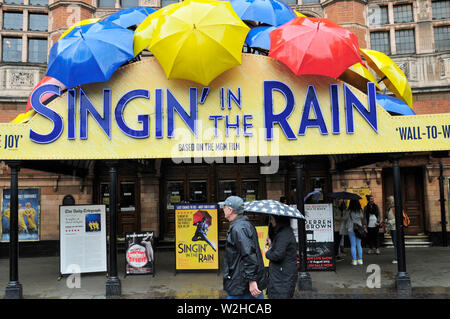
x=196, y=231
x=319, y=237
x=139, y=256
x=82, y=233
x=29, y=214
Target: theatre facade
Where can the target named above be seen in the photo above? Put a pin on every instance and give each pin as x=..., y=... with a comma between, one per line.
x=172, y=142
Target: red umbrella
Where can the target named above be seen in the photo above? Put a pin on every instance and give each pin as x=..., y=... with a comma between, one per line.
x=46, y=96
x=314, y=46
x=199, y=215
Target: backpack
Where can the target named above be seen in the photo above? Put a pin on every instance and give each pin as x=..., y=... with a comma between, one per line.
x=406, y=220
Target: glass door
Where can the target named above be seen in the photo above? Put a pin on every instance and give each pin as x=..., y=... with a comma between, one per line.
x=175, y=195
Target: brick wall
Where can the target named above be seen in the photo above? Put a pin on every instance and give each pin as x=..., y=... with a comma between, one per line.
x=432, y=103
x=351, y=15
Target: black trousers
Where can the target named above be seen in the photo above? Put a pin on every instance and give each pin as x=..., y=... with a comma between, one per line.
x=372, y=237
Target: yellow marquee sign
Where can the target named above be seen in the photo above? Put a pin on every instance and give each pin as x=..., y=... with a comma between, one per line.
x=256, y=109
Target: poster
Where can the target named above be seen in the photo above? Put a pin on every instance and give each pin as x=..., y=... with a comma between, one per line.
x=82, y=238
x=196, y=236
x=361, y=191
x=28, y=214
x=319, y=237
x=139, y=256
x=263, y=232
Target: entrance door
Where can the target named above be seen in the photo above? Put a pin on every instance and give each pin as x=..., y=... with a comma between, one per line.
x=128, y=210
x=412, y=195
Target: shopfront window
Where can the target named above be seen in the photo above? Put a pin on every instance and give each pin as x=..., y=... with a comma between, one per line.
x=318, y=184
x=226, y=188
x=104, y=194
x=127, y=196
x=250, y=190
x=175, y=193
x=197, y=191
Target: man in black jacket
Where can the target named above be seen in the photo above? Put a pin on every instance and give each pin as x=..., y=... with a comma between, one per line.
x=244, y=275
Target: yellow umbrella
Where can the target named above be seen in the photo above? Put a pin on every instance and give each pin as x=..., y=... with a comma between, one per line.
x=144, y=32
x=24, y=117
x=199, y=40
x=299, y=14
x=391, y=75
x=358, y=76
x=82, y=22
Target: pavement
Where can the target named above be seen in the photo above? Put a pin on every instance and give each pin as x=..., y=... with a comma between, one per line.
x=428, y=268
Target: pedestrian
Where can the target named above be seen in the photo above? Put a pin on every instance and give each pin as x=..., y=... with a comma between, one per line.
x=338, y=214
x=390, y=224
x=355, y=217
x=343, y=228
x=373, y=221
x=244, y=275
x=282, y=254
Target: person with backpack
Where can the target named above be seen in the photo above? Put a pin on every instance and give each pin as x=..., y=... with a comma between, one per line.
x=390, y=224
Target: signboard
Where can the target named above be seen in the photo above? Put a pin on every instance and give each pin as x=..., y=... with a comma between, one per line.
x=29, y=215
x=82, y=231
x=319, y=237
x=139, y=256
x=263, y=232
x=196, y=244
x=259, y=108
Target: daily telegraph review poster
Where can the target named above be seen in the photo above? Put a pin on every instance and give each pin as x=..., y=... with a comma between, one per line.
x=82, y=238
x=196, y=229
x=319, y=237
x=28, y=214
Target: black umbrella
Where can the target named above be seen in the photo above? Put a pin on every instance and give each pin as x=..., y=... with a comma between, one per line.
x=272, y=207
x=344, y=195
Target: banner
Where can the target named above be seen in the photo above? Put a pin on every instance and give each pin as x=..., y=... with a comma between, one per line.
x=82, y=232
x=139, y=256
x=263, y=232
x=319, y=237
x=259, y=108
x=28, y=213
x=196, y=244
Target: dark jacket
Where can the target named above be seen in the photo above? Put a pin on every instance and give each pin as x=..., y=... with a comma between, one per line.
x=283, y=264
x=243, y=258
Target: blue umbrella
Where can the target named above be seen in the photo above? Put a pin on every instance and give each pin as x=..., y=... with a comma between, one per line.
x=129, y=17
x=90, y=53
x=394, y=105
x=259, y=37
x=314, y=196
x=272, y=12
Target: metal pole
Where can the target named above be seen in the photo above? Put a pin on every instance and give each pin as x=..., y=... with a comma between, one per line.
x=113, y=286
x=304, y=279
x=442, y=200
x=403, y=281
x=14, y=288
